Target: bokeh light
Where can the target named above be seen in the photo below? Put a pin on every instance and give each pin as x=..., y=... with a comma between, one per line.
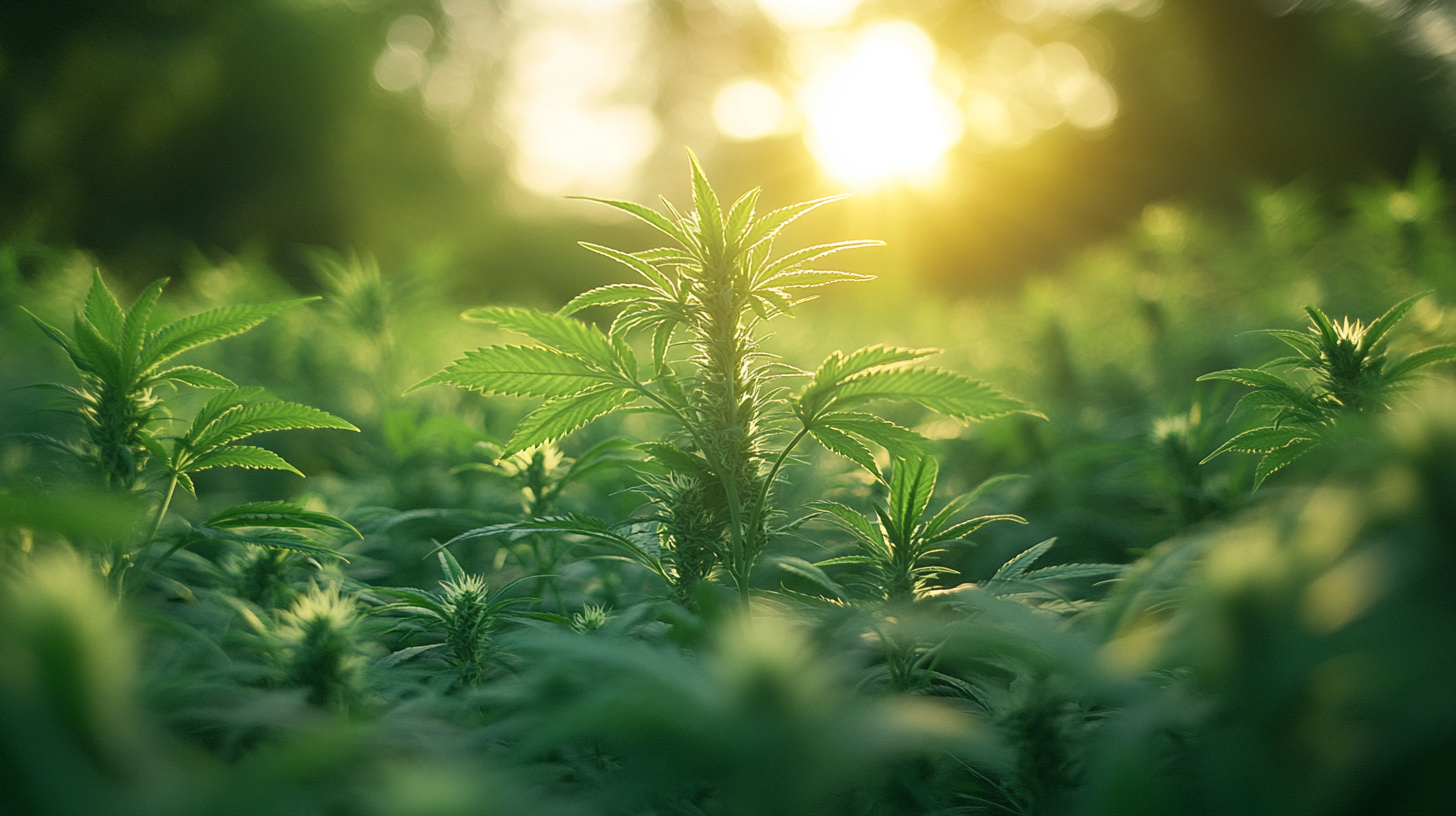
x=808, y=14
x=877, y=114
x=748, y=109
x=578, y=111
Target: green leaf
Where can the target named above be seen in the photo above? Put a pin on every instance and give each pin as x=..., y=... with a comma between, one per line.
x=678, y=460
x=943, y=391
x=61, y=339
x=450, y=566
x=1375, y=334
x=608, y=295
x=741, y=214
x=103, y=311
x=1328, y=335
x=135, y=330
x=899, y=442
x=1248, y=376
x=812, y=572
x=854, y=522
x=533, y=371
x=396, y=657
x=649, y=215
x=562, y=415
x=205, y=327
x=965, y=528
x=839, y=442
x=1407, y=367
x=836, y=367
x=243, y=456
x=710, y=212
x=277, y=539
x=1262, y=440
x=912, y=483
x=1017, y=567
x=1274, y=460
x=562, y=333
x=794, y=260
x=809, y=278
x=643, y=267
x=194, y=376
x=572, y=524
x=769, y=226
x=278, y=514
x=273, y=415
x=1063, y=572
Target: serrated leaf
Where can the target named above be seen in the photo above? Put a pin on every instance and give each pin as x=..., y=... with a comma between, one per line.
x=278, y=514
x=277, y=539
x=102, y=310
x=205, y=327
x=1375, y=334
x=741, y=214
x=272, y=415
x=1277, y=459
x=939, y=390
x=61, y=339
x=571, y=524
x=450, y=566
x=839, y=442
x=1261, y=440
x=609, y=295
x=565, y=334
x=965, y=528
x=709, y=211
x=769, y=226
x=677, y=459
x=912, y=483
x=854, y=522
x=900, y=442
x=1409, y=365
x=798, y=258
x=243, y=456
x=646, y=214
x=1247, y=376
x=562, y=415
x=809, y=278
x=533, y=371
x=1017, y=567
x=836, y=367
x=194, y=376
x=636, y=263
x=134, y=332
x=1074, y=571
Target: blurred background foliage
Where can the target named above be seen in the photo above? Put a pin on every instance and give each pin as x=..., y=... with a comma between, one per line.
x=985, y=138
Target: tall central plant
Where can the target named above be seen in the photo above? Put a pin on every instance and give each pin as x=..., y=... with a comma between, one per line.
x=738, y=421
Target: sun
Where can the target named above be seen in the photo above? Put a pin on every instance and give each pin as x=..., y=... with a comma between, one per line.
x=876, y=113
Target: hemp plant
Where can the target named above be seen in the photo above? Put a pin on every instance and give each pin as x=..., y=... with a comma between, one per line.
x=1350, y=373
x=737, y=422
x=126, y=375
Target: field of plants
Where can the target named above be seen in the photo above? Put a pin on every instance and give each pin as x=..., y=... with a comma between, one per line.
x=1167, y=531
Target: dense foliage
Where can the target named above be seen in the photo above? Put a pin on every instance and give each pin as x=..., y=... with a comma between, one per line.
x=651, y=593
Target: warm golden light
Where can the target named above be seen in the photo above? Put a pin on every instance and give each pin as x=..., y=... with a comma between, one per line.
x=748, y=109
x=876, y=114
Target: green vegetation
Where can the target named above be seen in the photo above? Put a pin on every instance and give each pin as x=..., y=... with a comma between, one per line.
x=645, y=564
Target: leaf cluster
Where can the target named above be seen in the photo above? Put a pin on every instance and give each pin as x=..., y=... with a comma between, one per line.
x=1350, y=372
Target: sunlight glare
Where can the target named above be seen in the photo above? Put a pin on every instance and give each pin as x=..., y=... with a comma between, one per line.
x=747, y=109
x=877, y=114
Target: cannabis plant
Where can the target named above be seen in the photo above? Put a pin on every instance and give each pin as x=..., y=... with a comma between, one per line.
x=123, y=367
x=737, y=421
x=464, y=614
x=896, y=545
x=1349, y=374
